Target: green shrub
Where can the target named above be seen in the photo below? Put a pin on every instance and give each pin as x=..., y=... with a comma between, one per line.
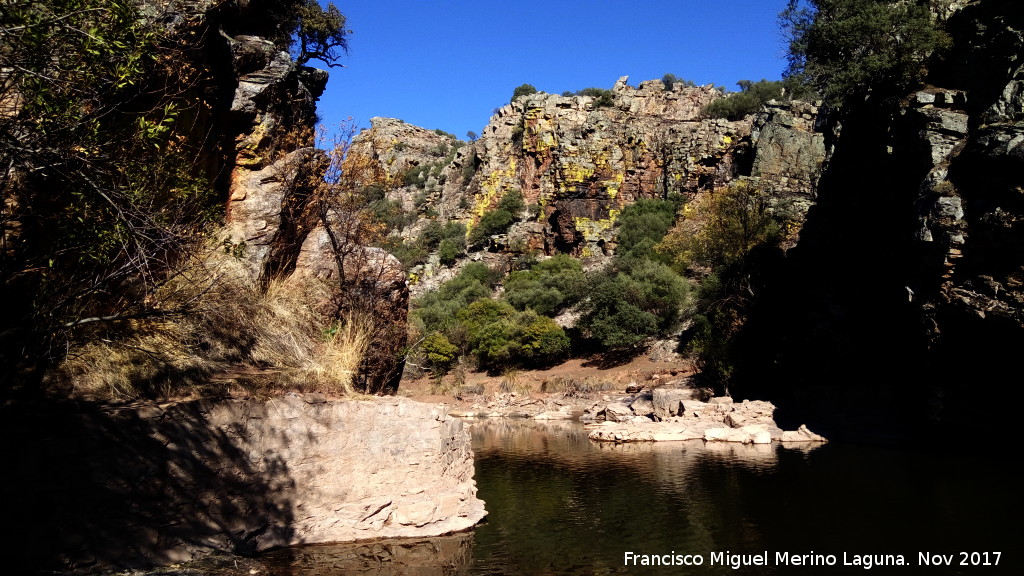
x=500, y=337
x=670, y=81
x=849, y=49
x=437, y=309
x=548, y=287
x=500, y=219
x=523, y=90
x=439, y=352
x=748, y=100
x=449, y=251
x=602, y=98
x=631, y=301
x=643, y=224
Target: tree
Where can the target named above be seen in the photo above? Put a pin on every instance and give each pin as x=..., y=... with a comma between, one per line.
x=523, y=90
x=472, y=136
x=320, y=34
x=670, y=81
x=100, y=181
x=853, y=49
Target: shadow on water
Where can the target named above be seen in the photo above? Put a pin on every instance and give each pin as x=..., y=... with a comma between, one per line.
x=560, y=504
x=94, y=486
x=410, y=557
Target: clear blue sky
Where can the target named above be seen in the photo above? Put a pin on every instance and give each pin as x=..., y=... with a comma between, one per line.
x=448, y=64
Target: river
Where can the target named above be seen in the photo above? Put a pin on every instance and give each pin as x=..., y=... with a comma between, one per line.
x=560, y=504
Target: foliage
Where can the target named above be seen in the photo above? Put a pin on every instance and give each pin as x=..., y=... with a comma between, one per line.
x=500, y=337
x=643, y=224
x=449, y=250
x=548, y=287
x=439, y=351
x=523, y=90
x=632, y=300
x=852, y=49
x=320, y=34
x=602, y=97
x=498, y=220
x=671, y=80
x=436, y=310
x=102, y=183
x=722, y=229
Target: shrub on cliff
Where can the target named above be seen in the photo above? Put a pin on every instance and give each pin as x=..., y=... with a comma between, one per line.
x=851, y=49
x=497, y=221
x=643, y=224
x=523, y=90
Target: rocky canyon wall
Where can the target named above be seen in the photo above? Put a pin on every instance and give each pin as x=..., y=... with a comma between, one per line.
x=133, y=486
x=579, y=160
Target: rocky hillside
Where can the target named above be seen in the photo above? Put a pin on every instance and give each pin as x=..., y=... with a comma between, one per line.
x=579, y=160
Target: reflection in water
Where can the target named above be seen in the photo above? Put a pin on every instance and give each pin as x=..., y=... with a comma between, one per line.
x=413, y=557
x=561, y=504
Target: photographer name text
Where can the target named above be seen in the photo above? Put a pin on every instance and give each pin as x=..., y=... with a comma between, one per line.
x=865, y=561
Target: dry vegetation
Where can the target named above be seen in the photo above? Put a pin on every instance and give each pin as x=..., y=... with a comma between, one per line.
x=225, y=335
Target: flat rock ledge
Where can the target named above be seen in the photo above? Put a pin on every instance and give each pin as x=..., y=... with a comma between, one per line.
x=669, y=415
x=144, y=485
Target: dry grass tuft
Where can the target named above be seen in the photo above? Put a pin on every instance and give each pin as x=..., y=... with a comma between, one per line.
x=232, y=336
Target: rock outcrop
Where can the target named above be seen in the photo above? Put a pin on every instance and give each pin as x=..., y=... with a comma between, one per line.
x=913, y=255
x=717, y=420
x=579, y=160
x=276, y=219
x=160, y=484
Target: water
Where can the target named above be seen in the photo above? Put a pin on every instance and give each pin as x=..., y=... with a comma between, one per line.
x=562, y=505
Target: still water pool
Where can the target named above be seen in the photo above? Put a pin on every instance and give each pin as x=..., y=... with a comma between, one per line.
x=560, y=504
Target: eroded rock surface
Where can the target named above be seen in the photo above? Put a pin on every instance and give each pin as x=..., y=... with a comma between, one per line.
x=161, y=484
x=717, y=420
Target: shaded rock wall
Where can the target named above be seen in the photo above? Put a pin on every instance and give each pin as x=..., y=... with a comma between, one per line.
x=152, y=484
x=904, y=297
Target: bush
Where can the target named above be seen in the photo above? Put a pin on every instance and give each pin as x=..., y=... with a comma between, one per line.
x=643, y=224
x=631, y=301
x=748, y=100
x=437, y=309
x=723, y=229
x=523, y=90
x=500, y=219
x=602, y=98
x=670, y=81
x=548, y=287
x=500, y=337
x=439, y=352
x=449, y=251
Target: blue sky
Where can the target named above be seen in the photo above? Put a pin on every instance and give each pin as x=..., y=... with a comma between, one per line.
x=449, y=63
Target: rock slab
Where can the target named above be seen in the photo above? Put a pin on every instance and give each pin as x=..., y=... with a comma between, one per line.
x=152, y=485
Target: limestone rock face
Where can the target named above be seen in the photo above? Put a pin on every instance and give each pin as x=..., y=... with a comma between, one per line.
x=160, y=484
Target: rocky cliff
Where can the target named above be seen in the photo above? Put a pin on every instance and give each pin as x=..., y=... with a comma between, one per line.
x=579, y=160
x=903, y=299
x=142, y=485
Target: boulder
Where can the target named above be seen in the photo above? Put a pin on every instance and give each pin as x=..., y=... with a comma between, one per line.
x=668, y=402
x=618, y=413
x=643, y=405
